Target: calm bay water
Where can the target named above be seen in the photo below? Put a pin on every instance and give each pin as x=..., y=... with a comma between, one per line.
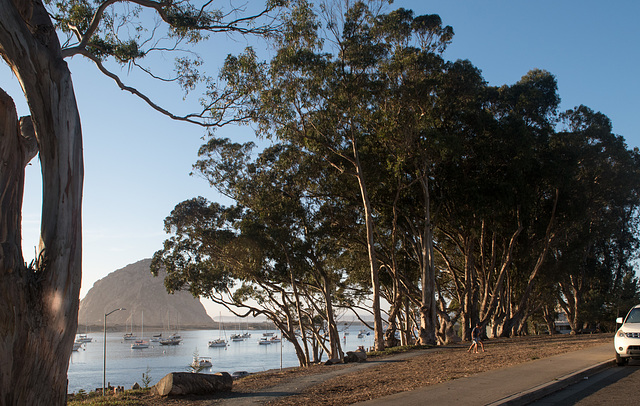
x=126, y=366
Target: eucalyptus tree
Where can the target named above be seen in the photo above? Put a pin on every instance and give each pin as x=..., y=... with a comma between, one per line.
x=488, y=182
x=324, y=91
x=599, y=241
x=267, y=255
x=415, y=83
x=39, y=305
x=526, y=113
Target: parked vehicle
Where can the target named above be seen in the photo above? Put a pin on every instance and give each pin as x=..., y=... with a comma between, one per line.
x=239, y=374
x=627, y=338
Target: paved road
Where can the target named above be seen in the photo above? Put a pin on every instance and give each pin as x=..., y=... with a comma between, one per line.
x=517, y=385
x=613, y=385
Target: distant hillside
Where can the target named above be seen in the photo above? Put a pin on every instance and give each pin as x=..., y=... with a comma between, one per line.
x=134, y=288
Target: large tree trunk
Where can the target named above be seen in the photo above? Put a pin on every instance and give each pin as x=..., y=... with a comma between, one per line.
x=519, y=315
x=39, y=303
x=373, y=259
x=334, y=335
x=428, y=316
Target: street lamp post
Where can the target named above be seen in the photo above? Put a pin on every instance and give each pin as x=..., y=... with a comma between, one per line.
x=104, y=365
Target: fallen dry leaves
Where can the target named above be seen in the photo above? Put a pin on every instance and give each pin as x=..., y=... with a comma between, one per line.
x=437, y=366
x=352, y=383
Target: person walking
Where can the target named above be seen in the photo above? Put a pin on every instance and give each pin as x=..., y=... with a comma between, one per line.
x=476, y=339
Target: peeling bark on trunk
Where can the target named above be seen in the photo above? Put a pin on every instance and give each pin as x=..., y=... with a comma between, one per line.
x=373, y=259
x=428, y=317
x=334, y=335
x=39, y=304
x=519, y=314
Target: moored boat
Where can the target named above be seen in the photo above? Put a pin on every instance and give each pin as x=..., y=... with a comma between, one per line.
x=83, y=338
x=170, y=341
x=139, y=345
x=201, y=362
x=264, y=341
x=218, y=342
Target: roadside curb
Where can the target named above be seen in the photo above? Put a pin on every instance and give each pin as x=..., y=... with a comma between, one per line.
x=545, y=389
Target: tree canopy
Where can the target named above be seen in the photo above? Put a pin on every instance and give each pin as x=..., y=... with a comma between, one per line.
x=396, y=175
x=38, y=313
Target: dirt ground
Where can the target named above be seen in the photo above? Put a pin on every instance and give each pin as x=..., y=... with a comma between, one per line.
x=381, y=376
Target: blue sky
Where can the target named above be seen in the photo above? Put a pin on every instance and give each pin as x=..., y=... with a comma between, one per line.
x=137, y=162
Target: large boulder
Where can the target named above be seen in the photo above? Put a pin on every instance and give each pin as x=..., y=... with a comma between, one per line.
x=186, y=383
x=358, y=355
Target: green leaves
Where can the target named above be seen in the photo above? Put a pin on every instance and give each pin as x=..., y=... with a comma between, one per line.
x=122, y=52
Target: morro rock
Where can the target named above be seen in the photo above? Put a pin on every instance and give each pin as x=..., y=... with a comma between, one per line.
x=145, y=298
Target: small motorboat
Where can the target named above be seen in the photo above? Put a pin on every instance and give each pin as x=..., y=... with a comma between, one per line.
x=83, y=338
x=170, y=341
x=218, y=342
x=201, y=362
x=264, y=341
x=140, y=345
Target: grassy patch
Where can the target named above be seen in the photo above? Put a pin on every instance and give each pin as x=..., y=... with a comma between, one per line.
x=397, y=350
x=128, y=398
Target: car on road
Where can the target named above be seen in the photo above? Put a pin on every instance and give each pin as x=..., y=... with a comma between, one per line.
x=627, y=338
x=239, y=374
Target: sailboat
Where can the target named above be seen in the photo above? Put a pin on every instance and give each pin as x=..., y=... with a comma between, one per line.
x=83, y=338
x=140, y=344
x=246, y=334
x=237, y=336
x=128, y=336
x=218, y=342
x=173, y=339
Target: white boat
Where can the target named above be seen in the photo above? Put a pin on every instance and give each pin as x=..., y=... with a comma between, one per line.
x=140, y=345
x=267, y=334
x=363, y=333
x=237, y=337
x=264, y=341
x=275, y=339
x=156, y=338
x=83, y=338
x=202, y=362
x=218, y=342
x=129, y=336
